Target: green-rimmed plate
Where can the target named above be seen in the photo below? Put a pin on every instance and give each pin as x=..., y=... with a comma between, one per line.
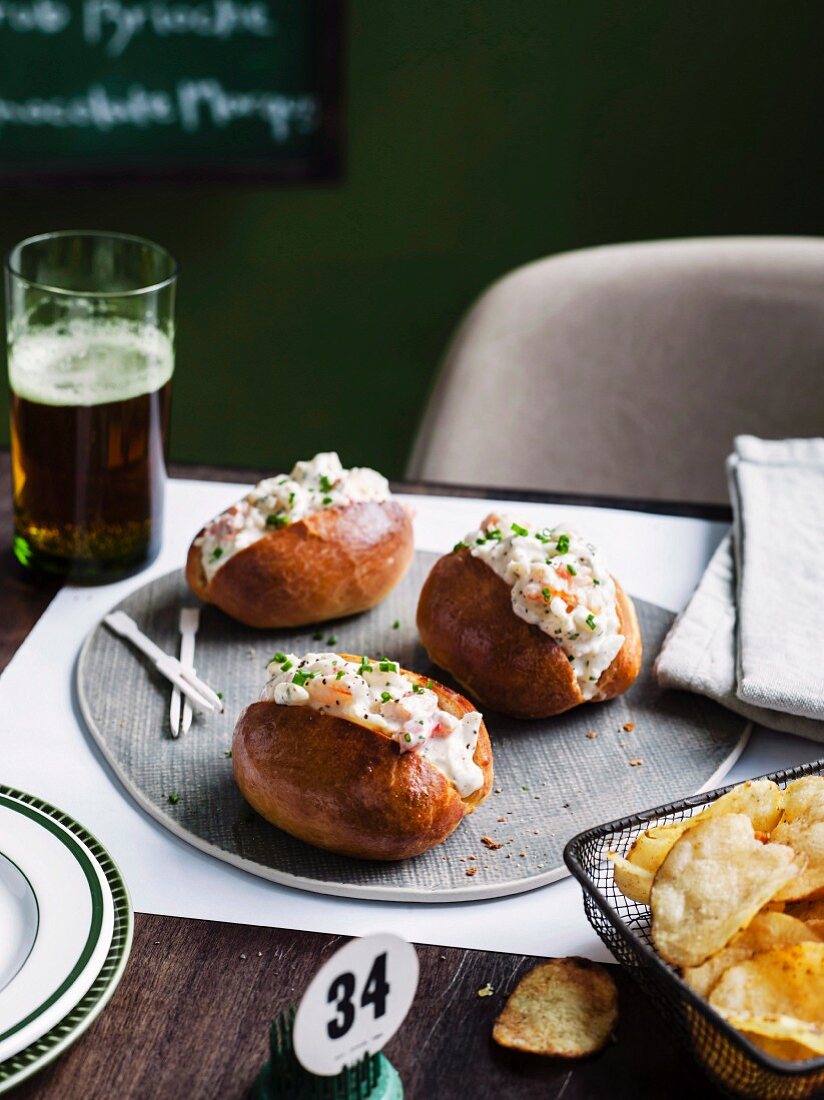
x=67, y=930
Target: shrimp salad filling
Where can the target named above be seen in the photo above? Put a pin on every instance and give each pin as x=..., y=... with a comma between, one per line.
x=376, y=694
x=559, y=583
x=312, y=486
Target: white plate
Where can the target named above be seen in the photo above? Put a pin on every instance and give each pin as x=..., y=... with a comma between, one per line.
x=68, y=921
x=19, y=920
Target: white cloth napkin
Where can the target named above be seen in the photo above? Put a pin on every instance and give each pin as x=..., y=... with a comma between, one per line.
x=752, y=636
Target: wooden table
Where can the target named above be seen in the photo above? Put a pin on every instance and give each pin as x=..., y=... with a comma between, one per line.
x=191, y=1016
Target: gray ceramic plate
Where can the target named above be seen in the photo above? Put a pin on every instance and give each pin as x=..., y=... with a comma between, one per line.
x=551, y=780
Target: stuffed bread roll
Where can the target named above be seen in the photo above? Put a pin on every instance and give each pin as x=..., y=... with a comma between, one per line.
x=529, y=620
x=360, y=756
x=316, y=544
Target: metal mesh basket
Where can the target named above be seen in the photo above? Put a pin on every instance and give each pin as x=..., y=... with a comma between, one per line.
x=736, y=1065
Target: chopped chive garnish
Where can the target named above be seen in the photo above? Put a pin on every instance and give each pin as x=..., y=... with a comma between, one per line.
x=278, y=657
x=325, y=484
x=430, y=684
x=458, y=546
x=591, y=623
x=386, y=696
x=277, y=521
x=300, y=677
x=217, y=553
x=385, y=665
x=480, y=542
x=396, y=625
x=332, y=640
x=542, y=537
x=286, y=666
x=339, y=674
x=316, y=637
x=545, y=592
x=595, y=580
x=522, y=531
x=417, y=689
x=174, y=797
x=227, y=753
x=219, y=694
x=326, y=500
x=292, y=498
x=407, y=737
x=573, y=572
x=563, y=544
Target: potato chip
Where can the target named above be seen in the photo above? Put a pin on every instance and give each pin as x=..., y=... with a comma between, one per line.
x=802, y=827
x=787, y=1049
x=816, y=926
x=765, y=931
x=713, y=882
x=806, y=910
x=634, y=882
x=805, y=798
x=564, y=1007
x=759, y=799
x=650, y=848
x=786, y=981
x=785, y=1030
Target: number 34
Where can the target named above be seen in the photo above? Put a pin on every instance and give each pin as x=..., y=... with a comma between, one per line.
x=342, y=990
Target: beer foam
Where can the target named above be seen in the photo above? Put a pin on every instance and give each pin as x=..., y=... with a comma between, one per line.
x=89, y=362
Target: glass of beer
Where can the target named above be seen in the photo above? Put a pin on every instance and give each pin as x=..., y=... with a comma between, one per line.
x=90, y=326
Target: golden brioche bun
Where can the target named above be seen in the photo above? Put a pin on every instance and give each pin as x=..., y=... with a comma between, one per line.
x=468, y=626
x=332, y=563
x=348, y=788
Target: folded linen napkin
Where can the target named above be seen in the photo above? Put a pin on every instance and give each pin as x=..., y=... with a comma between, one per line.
x=752, y=636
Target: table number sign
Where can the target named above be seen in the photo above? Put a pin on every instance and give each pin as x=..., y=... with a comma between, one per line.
x=142, y=88
x=355, y=1003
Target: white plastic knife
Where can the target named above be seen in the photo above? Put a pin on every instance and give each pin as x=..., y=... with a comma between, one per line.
x=200, y=694
x=188, y=623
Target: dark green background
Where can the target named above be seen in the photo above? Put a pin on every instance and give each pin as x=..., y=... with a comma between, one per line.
x=481, y=134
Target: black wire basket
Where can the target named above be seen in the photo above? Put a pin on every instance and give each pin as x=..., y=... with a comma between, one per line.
x=735, y=1064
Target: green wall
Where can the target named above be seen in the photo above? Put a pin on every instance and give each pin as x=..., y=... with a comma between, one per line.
x=481, y=134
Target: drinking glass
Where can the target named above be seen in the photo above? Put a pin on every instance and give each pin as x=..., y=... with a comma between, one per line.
x=90, y=330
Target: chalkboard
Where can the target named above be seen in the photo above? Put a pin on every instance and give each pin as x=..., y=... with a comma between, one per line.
x=163, y=88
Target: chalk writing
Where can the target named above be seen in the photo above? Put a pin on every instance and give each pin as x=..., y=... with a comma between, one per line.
x=194, y=105
x=43, y=16
x=114, y=24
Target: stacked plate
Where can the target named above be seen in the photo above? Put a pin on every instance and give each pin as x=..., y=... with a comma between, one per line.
x=65, y=933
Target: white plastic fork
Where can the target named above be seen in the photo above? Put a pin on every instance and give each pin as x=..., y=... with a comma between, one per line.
x=200, y=694
x=188, y=623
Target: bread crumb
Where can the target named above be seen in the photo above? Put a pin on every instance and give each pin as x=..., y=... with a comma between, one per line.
x=629, y=726
x=636, y=763
x=502, y=819
x=471, y=857
x=592, y=735
x=491, y=844
x=486, y=990
x=470, y=871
